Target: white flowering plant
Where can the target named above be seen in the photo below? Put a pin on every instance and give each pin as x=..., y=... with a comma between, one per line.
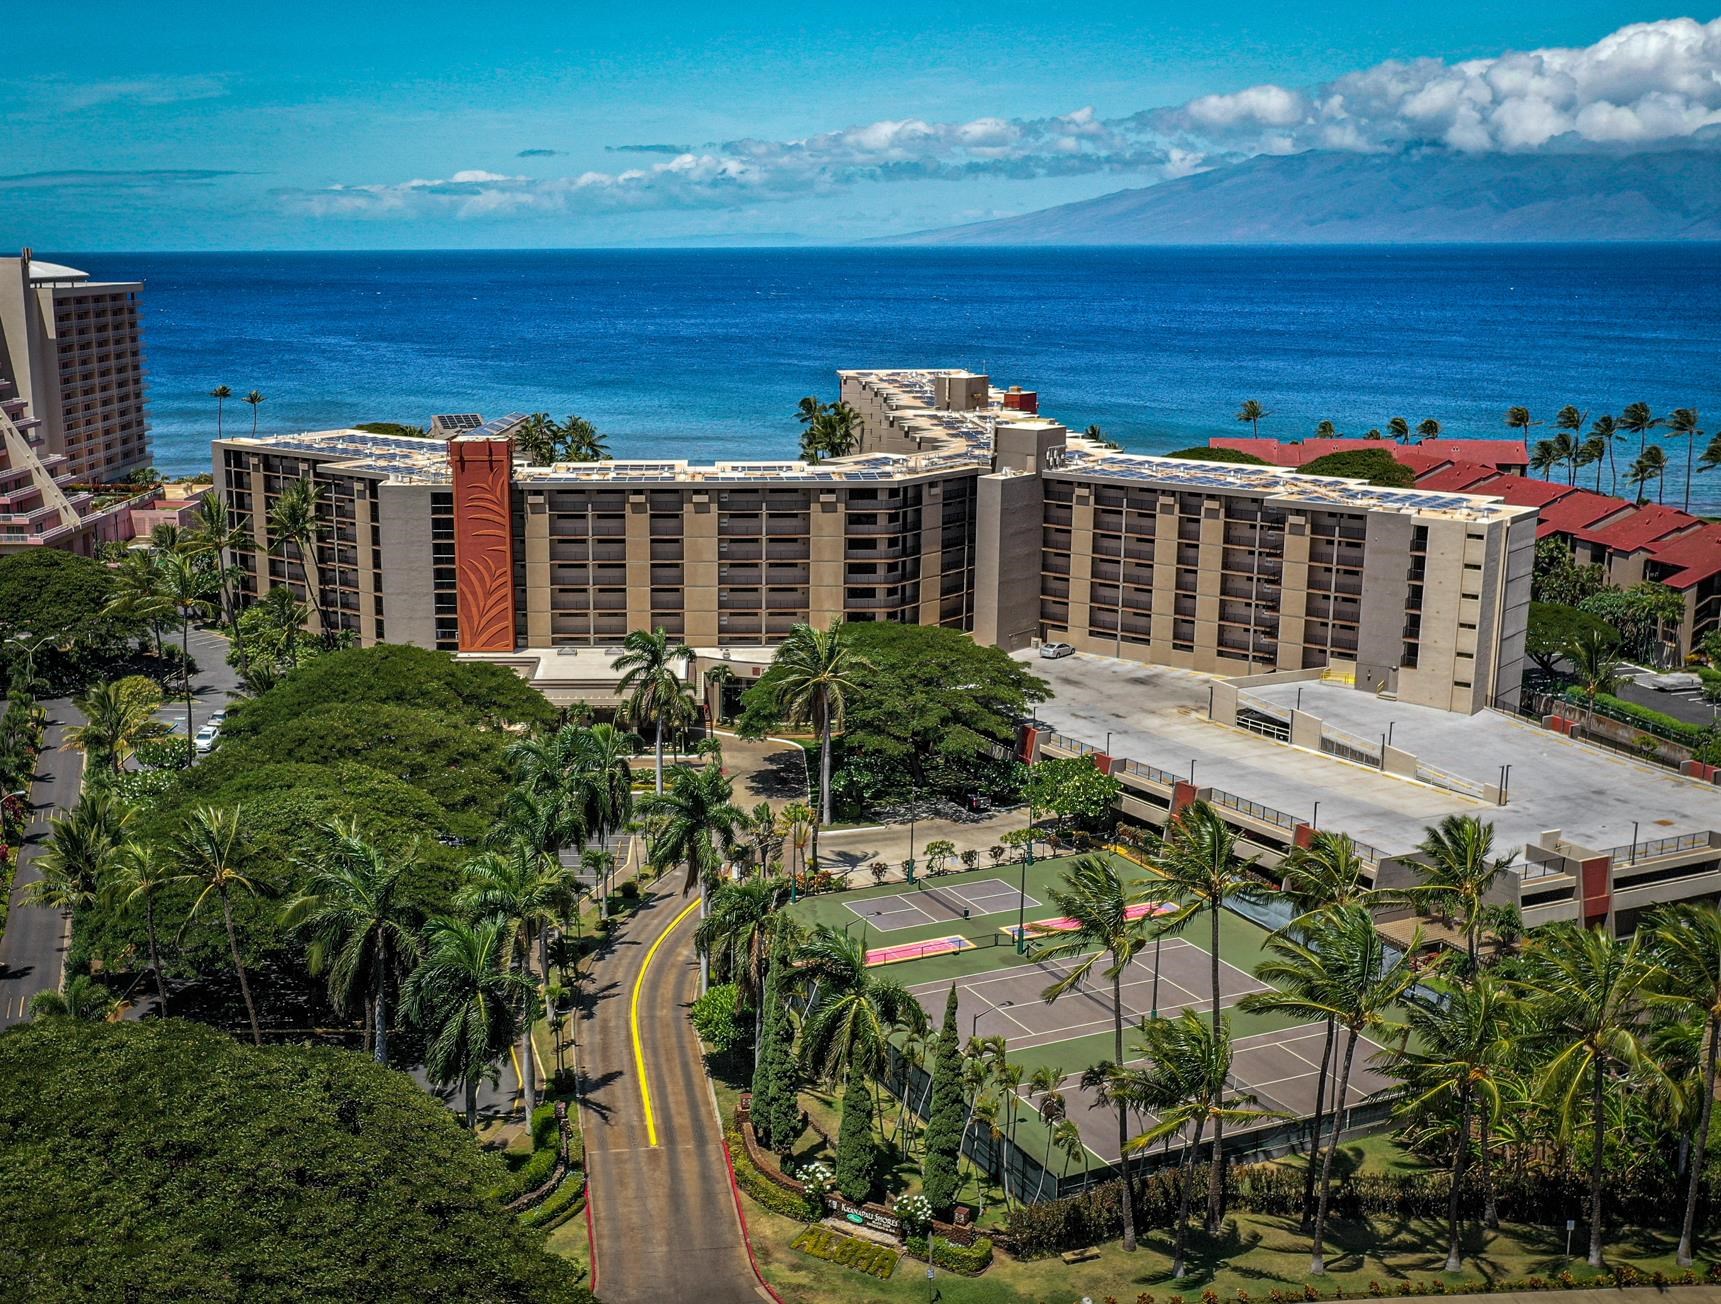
x=915, y=1212
x=819, y=1178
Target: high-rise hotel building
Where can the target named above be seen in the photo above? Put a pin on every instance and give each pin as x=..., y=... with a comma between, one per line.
x=963, y=507
x=72, y=350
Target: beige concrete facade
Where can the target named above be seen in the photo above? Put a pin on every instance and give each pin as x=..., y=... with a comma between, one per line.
x=73, y=352
x=963, y=508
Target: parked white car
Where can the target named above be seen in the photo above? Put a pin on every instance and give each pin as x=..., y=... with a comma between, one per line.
x=1052, y=651
x=205, y=738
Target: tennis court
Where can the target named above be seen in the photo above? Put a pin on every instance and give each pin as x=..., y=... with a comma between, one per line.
x=940, y=905
x=1174, y=976
x=1280, y=1069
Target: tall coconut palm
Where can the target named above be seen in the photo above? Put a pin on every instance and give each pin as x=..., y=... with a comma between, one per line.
x=1570, y=419
x=655, y=690
x=1326, y=430
x=1544, y=457
x=795, y=825
x=814, y=673
x=211, y=850
x=1188, y=1086
x=115, y=723
x=221, y=532
x=360, y=928
x=1636, y=419
x=1687, y=977
x=1398, y=430
x=1427, y=428
x=1338, y=971
x=82, y=854
x=137, y=594
x=1567, y=452
x=580, y=441
x=697, y=823
x=1649, y=465
x=1711, y=458
x=1199, y=861
x=1044, y=1086
x=742, y=922
x=1252, y=414
x=186, y=584
x=1095, y=894
x=527, y=887
x=295, y=533
x=1682, y=424
x=606, y=772
x=221, y=393
x=1067, y=1137
x=465, y=994
x=1594, y=659
x=1518, y=418
x=140, y=872
x=1606, y=432
x=255, y=399
x=1458, y=1046
x=1586, y=987
x=1462, y=870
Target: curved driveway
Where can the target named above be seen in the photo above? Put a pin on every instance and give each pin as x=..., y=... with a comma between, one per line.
x=664, y=1221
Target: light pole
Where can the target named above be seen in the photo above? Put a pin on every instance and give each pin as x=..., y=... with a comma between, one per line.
x=1021, y=913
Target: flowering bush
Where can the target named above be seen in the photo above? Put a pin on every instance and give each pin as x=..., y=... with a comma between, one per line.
x=915, y=1212
x=819, y=1178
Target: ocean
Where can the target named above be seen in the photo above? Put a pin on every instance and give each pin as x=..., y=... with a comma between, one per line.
x=702, y=354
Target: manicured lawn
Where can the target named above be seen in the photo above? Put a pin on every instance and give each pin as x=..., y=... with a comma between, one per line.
x=1255, y=1254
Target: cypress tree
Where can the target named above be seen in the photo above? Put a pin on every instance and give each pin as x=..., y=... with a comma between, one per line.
x=777, y=1081
x=855, y=1150
x=944, y=1125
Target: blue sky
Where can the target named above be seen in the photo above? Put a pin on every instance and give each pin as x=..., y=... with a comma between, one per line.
x=317, y=125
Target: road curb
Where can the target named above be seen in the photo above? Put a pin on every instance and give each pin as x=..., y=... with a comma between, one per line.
x=746, y=1235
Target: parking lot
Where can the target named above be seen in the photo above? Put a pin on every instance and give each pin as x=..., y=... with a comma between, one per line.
x=1158, y=715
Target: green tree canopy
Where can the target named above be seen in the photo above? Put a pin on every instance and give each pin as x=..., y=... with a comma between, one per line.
x=1375, y=465
x=1203, y=454
x=53, y=594
x=167, y=1161
x=1072, y=788
x=1554, y=627
x=926, y=716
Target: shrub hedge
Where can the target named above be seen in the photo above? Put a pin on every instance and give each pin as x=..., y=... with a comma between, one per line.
x=566, y=1201
x=969, y=1260
x=778, y=1199
x=1650, y=721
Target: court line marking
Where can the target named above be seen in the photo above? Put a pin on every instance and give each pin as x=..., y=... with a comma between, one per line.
x=633, y=1020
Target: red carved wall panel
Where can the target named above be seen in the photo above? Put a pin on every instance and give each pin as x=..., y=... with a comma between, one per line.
x=484, y=542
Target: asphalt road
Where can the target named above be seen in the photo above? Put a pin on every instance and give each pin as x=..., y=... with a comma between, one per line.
x=33, y=947
x=664, y=1219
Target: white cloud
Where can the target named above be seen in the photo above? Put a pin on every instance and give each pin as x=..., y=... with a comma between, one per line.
x=1644, y=85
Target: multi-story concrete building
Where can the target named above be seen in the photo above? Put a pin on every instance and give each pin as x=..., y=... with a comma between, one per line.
x=72, y=350
x=964, y=507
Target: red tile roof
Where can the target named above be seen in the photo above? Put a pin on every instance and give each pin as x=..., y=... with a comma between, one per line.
x=1521, y=491
x=1697, y=554
x=1457, y=477
x=1647, y=524
x=1488, y=452
x=1573, y=511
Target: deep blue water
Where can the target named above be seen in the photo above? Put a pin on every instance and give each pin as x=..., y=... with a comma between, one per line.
x=702, y=353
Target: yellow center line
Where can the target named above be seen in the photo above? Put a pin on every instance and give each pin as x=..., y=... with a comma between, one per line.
x=633, y=1021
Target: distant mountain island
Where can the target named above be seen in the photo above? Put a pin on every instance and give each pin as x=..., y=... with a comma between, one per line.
x=1432, y=197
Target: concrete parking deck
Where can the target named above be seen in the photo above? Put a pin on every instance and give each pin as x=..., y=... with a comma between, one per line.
x=1158, y=715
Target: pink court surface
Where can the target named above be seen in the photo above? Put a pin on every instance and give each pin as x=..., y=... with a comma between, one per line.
x=1065, y=924
x=916, y=950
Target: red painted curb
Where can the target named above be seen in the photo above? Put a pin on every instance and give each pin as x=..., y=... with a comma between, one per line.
x=741, y=1214
x=591, y=1235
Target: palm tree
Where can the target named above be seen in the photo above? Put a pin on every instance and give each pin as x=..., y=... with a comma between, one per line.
x=186, y=585
x=1398, y=430
x=1651, y=464
x=1188, y=1087
x=1456, y=1048
x=1591, y=452
x=1198, y=858
x=1567, y=451
x=1687, y=976
x=1253, y=414
x=1544, y=457
x=255, y=399
x=654, y=690
x=1427, y=428
x=137, y=594
x=1683, y=425
x=1043, y=1085
x=211, y=849
x=698, y=823
x=795, y=824
x=222, y=532
x=1461, y=871
x=815, y=671
x=742, y=922
x=465, y=995
x=295, y=521
x=1569, y=419
x=115, y=722
x=138, y=876
x=1326, y=430
x=1635, y=419
x=849, y=1018
x=1067, y=1137
x=1711, y=458
x=1518, y=418
x=360, y=928
x=808, y=409
x=527, y=887
x=1339, y=972
x=1095, y=894
x=1606, y=431
x=1586, y=989
x=82, y=852
x=1595, y=664
x=82, y=998
x=221, y=393
x=580, y=441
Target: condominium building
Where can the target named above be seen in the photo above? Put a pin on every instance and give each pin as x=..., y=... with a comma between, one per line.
x=73, y=354
x=963, y=507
